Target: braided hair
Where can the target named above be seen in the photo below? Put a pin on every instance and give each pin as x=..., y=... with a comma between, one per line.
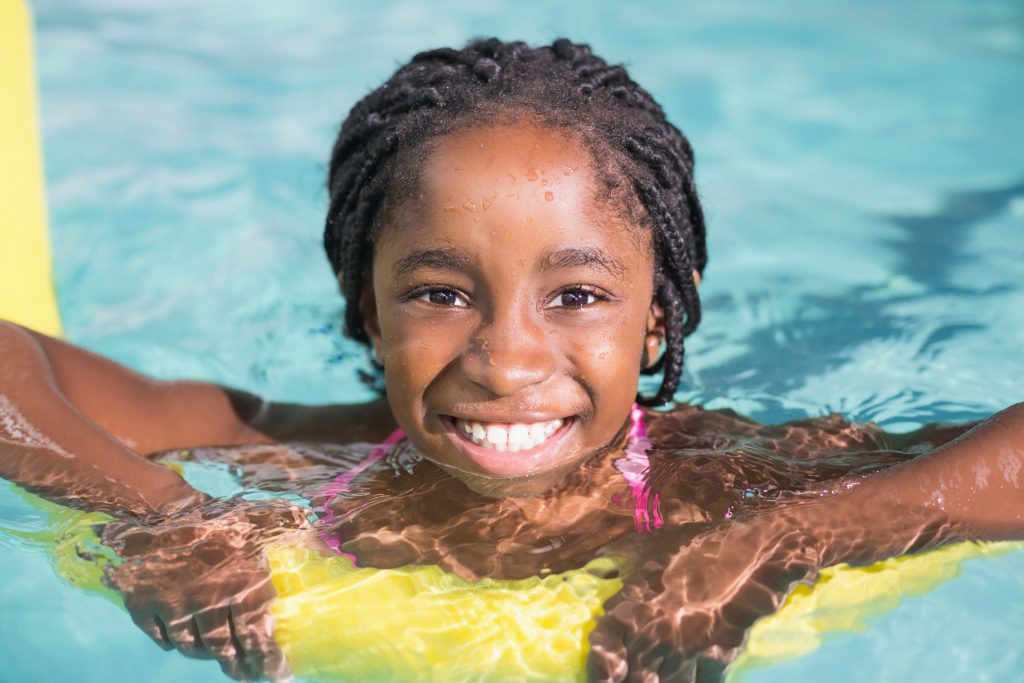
x=566, y=85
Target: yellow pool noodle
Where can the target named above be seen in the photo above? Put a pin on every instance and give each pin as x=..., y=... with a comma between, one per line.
x=26, y=285
x=419, y=623
x=336, y=622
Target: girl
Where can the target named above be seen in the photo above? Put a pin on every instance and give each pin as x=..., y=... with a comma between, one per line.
x=517, y=236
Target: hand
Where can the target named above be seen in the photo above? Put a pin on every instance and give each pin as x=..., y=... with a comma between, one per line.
x=683, y=614
x=199, y=582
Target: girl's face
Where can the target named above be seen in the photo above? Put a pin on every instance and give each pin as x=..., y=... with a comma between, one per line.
x=510, y=307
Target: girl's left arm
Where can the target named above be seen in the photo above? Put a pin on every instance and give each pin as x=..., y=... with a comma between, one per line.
x=685, y=612
x=971, y=488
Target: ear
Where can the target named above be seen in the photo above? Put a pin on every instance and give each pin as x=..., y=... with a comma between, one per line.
x=654, y=335
x=371, y=324
x=696, y=278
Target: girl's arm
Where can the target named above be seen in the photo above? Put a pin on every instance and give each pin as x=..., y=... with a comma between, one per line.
x=971, y=488
x=58, y=449
x=74, y=425
x=151, y=416
x=699, y=596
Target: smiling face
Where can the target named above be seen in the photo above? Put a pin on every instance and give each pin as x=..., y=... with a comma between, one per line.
x=510, y=308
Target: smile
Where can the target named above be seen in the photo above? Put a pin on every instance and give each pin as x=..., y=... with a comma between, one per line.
x=509, y=449
x=508, y=437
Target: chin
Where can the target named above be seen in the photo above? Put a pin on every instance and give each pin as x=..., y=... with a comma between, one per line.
x=507, y=487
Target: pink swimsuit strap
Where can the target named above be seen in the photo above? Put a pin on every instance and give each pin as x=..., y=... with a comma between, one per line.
x=633, y=468
x=343, y=483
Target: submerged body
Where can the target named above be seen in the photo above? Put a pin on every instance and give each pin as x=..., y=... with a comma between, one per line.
x=693, y=469
x=532, y=578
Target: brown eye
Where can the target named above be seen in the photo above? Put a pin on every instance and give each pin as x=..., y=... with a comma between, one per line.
x=443, y=297
x=575, y=298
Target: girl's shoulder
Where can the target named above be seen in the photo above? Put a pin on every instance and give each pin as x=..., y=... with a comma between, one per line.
x=370, y=422
x=687, y=426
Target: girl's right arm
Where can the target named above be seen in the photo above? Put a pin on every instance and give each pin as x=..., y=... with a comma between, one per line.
x=71, y=425
x=75, y=427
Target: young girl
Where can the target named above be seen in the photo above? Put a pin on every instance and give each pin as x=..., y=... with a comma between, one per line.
x=518, y=237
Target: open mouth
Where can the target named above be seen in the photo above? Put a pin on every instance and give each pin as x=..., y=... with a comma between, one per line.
x=508, y=437
x=509, y=448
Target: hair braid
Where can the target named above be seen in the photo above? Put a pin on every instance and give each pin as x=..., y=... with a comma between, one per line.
x=565, y=85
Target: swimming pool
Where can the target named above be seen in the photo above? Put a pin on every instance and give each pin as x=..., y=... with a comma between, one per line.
x=862, y=166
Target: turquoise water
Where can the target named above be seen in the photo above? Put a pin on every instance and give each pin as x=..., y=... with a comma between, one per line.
x=862, y=167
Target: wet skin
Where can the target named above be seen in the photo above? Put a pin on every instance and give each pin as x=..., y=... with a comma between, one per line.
x=509, y=291
x=706, y=467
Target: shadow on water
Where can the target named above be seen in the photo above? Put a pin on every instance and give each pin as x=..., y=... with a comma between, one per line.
x=931, y=244
x=928, y=248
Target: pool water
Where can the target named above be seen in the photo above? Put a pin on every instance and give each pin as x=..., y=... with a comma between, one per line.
x=861, y=165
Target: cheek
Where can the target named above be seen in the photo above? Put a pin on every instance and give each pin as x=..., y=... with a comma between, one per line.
x=608, y=362
x=414, y=352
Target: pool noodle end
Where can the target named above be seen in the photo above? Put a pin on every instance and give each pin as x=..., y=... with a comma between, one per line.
x=26, y=283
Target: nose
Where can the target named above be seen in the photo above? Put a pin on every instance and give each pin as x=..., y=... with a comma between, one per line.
x=509, y=352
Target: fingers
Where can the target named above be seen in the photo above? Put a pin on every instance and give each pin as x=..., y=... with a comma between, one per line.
x=612, y=661
x=183, y=633
x=240, y=638
x=675, y=668
x=709, y=670
x=154, y=627
x=607, y=661
x=240, y=635
x=253, y=637
x=215, y=629
x=252, y=632
x=645, y=663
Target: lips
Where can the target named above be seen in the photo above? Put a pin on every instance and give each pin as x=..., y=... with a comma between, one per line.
x=509, y=449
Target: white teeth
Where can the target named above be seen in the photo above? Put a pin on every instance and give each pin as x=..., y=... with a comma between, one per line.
x=537, y=432
x=518, y=434
x=508, y=437
x=497, y=435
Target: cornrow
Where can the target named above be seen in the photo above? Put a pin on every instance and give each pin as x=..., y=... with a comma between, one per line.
x=564, y=84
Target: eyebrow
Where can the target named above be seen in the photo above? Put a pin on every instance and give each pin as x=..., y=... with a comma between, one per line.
x=581, y=257
x=442, y=258
x=437, y=259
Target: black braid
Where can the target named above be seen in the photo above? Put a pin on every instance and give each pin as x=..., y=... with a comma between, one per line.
x=565, y=85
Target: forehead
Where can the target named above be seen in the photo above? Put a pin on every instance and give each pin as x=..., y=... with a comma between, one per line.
x=523, y=168
x=516, y=193
x=508, y=152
